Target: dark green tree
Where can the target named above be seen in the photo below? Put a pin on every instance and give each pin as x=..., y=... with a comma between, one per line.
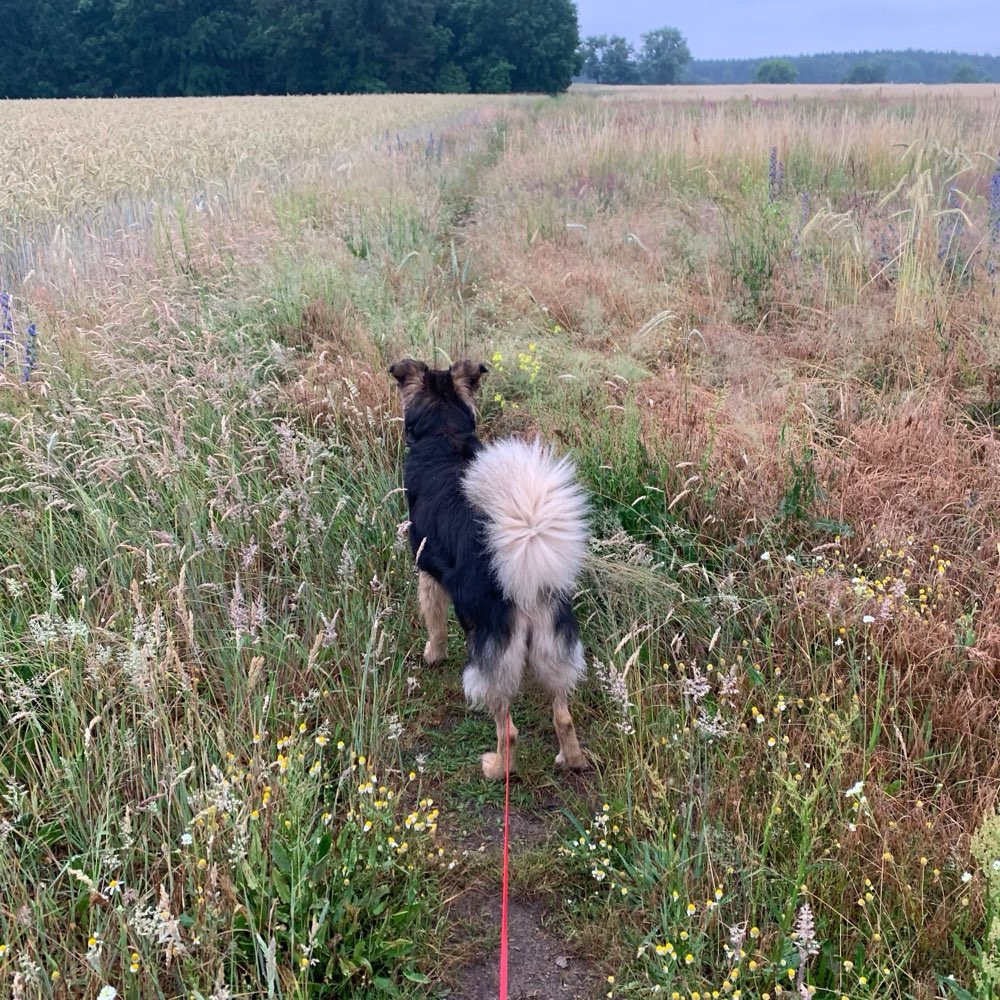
x=608, y=60
x=777, y=71
x=866, y=72
x=95, y=59
x=39, y=47
x=521, y=45
x=290, y=44
x=384, y=45
x=965, y=73
x=182, y=47
x=663, y=56
x=451, y=79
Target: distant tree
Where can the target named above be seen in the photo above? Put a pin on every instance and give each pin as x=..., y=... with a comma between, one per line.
x=590, y=57
x=386, y=45
x=866, y=72
x=44, y=52
x=777, y=71
x=608, y=60
x=965, y=73
x=494, y=76
x=186, y=48
x=664, y=56
x=452, y=80
x=522, y=45
x=289, y=43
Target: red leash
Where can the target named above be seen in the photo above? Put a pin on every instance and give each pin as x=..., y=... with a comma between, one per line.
x=503, y=901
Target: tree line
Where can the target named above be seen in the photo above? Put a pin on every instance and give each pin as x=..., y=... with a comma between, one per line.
x=663, y=57
x=909, y=66
x=162, y=48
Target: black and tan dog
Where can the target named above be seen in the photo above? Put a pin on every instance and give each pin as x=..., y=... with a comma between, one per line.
x=500, y=530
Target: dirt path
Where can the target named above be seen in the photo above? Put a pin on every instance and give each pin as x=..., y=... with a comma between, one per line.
x=541, y=965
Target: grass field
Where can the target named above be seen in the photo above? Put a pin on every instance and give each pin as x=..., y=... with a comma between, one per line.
x=764, y=323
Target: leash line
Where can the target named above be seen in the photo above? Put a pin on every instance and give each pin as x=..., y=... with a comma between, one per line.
x=506, y=881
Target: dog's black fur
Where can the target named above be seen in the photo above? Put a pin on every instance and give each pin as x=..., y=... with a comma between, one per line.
x=446, y=534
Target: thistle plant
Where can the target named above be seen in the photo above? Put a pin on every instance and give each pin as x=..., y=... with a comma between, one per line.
x=806, y=945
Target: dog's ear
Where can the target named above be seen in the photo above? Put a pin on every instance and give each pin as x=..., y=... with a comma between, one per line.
x=409, y=374
x=465, y=376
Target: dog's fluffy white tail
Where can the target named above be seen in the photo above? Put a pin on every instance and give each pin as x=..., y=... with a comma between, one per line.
x=535, y=514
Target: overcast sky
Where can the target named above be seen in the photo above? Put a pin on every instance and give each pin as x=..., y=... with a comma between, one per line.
x=724, y=29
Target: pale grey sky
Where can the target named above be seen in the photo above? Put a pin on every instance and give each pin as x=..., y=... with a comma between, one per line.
x=724, y=29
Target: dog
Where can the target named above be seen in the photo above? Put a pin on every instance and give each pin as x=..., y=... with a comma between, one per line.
x=500, y=530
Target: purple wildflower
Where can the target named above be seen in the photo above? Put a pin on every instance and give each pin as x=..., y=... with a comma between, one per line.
x=30, y=352
x=993, y=224
x=775, y=176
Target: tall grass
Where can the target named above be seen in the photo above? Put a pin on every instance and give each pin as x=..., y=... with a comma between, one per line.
x=764, y=328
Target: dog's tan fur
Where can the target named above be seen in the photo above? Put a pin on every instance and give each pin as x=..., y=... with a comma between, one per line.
x=434, y=603
x=409, y=374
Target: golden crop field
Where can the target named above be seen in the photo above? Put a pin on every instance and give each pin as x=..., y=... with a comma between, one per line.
x=68, y=158
x=763, y=322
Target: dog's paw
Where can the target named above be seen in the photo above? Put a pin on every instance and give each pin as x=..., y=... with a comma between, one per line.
x=575, y=762
x=493, y=767
x=434, y=653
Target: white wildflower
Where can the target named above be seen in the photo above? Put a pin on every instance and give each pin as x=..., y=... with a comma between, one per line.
x=616, y=688
x=394, y=727
x=696, y=687
x=805, y=934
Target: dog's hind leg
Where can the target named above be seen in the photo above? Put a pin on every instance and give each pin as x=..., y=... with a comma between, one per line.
x=492, y=680
x=434, y=607
x=556, y=657
x=494, y=766
x=570, y=755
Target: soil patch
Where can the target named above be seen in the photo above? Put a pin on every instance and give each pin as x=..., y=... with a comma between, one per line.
x=539, y=964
